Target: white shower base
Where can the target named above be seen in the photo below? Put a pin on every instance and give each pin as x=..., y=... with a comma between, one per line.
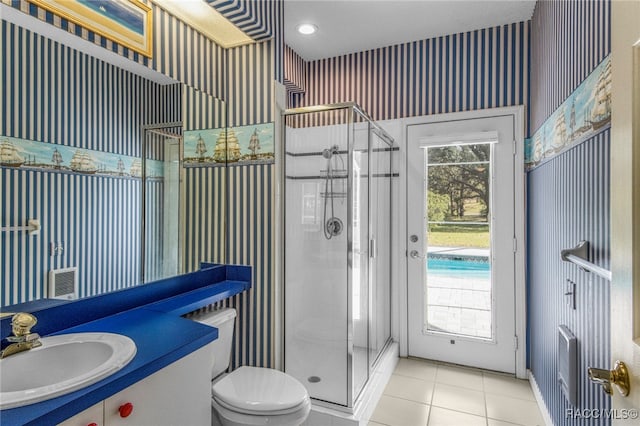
x=325, y=415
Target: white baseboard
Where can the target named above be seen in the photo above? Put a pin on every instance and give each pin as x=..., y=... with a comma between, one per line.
x=536, y=392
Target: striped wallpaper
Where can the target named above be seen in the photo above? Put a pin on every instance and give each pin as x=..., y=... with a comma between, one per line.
x=251, y=204
x=251, y=69
x=61, y=96
x=179, y=51
x=250, y=88
x=570, y=39
x=253, y=17
x=231, y=216
x=295, y=72
x=475, y=70
x=568, y=200
x=184, y=54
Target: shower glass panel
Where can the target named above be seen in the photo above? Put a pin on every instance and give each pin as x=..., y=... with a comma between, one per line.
x=336, y=242
x=160, y=169
x=380, y=200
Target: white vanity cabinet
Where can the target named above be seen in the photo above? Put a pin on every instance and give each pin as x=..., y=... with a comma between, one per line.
x=179, y=394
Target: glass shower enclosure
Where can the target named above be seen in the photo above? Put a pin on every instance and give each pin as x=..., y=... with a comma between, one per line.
x=337, y=176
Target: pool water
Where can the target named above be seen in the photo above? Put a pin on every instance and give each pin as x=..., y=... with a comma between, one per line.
x=458, y=267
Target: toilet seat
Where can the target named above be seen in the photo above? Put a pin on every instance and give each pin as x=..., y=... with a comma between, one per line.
x=223, y=404
x=260, y=391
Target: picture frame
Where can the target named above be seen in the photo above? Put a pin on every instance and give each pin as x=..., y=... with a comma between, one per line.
x=126, y=22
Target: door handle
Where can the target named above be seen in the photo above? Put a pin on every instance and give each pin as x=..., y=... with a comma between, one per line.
x=415, y=255
x=619, y=376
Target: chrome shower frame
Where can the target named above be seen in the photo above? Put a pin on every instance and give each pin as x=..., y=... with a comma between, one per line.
x=351, y=109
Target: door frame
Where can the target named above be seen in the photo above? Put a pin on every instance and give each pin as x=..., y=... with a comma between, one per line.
x=520, y=303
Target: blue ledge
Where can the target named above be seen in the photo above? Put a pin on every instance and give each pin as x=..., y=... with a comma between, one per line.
x=155, y=316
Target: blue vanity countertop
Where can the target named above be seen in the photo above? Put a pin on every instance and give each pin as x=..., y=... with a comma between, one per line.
x=161, y=335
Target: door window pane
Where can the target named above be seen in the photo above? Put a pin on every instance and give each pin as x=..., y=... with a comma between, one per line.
x=458, y=234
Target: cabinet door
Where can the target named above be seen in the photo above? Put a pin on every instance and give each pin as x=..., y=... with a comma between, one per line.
x=179, y=394
x=91, y=416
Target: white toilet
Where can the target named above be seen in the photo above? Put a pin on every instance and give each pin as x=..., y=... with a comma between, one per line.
x=250, y=395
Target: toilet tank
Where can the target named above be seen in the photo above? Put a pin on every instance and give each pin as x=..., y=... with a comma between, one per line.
x=224, y=320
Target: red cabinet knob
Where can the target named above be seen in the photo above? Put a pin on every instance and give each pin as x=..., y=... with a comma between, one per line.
x=126, y=409
x=93, y=424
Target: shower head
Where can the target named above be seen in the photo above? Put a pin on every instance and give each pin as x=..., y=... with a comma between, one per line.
x=330, y=152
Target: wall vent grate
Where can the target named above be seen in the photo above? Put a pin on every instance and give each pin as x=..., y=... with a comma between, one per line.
x=63, y=283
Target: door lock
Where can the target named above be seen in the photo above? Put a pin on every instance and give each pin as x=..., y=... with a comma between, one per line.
x=415, y=255
x=619, y=376
x=413, y=238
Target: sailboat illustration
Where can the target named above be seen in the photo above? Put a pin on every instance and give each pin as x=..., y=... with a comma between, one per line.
x=120, y=167
x=56, y=159
x=136, y=168
x=201, y=148
x=601, y=96
x=9, y=155
x=82, y=162
x=227, y=147
x=254, y=144
x=559, y=131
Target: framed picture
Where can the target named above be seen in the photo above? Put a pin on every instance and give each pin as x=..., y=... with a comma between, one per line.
x=126, y=22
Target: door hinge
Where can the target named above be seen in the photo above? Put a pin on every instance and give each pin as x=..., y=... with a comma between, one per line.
x=515, y=245
x=515, y=342
x=515, y=147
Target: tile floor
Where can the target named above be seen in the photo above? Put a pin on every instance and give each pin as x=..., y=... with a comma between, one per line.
x=424, y=393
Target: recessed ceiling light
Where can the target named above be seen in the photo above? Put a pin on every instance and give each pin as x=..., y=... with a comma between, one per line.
x=307, y=29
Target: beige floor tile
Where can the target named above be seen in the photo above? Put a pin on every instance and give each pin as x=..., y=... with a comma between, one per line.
x=400, y=412
x=459, y=399
x=443, y=417
x=507, y=386
x=417, y=369
x=458, y=376
x=513, y=410
x=410, y=388
x=494, y=422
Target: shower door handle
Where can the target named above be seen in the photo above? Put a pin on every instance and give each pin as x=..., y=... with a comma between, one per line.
x=414, y=254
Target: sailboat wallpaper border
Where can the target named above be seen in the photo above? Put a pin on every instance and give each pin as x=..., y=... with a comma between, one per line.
x=231, y=146
x=48, y=157
x=585, y=113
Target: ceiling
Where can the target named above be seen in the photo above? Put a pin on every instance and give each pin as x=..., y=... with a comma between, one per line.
x=347, y=26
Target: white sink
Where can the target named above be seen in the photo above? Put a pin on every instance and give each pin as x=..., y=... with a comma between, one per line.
x=62, y=364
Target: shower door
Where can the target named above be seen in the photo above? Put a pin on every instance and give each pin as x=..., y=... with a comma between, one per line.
x=317, y=297
x=336, y=250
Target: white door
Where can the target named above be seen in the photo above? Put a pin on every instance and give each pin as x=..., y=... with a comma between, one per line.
x=461, y=242
x=625, y=205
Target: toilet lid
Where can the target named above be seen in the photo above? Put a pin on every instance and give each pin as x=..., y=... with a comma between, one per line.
x=259, y=389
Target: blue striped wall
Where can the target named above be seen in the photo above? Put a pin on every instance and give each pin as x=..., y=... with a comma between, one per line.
x=475, y=70
x=253, y=17
x=184, y=54
x=97, y=219
x=568, y=200
x=570, y=38
x=204, y=188
x=250, y=84
x=59, y=95
x=179, y=51
x=295, y=73
x=56, y=94
x=250, y=205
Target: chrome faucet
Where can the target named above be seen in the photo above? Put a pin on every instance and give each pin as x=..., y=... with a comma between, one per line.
x=22, y=339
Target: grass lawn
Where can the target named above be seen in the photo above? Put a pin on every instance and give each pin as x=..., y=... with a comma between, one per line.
x=459, y=235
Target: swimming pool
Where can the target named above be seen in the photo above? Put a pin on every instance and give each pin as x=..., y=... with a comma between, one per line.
x=458, y=267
